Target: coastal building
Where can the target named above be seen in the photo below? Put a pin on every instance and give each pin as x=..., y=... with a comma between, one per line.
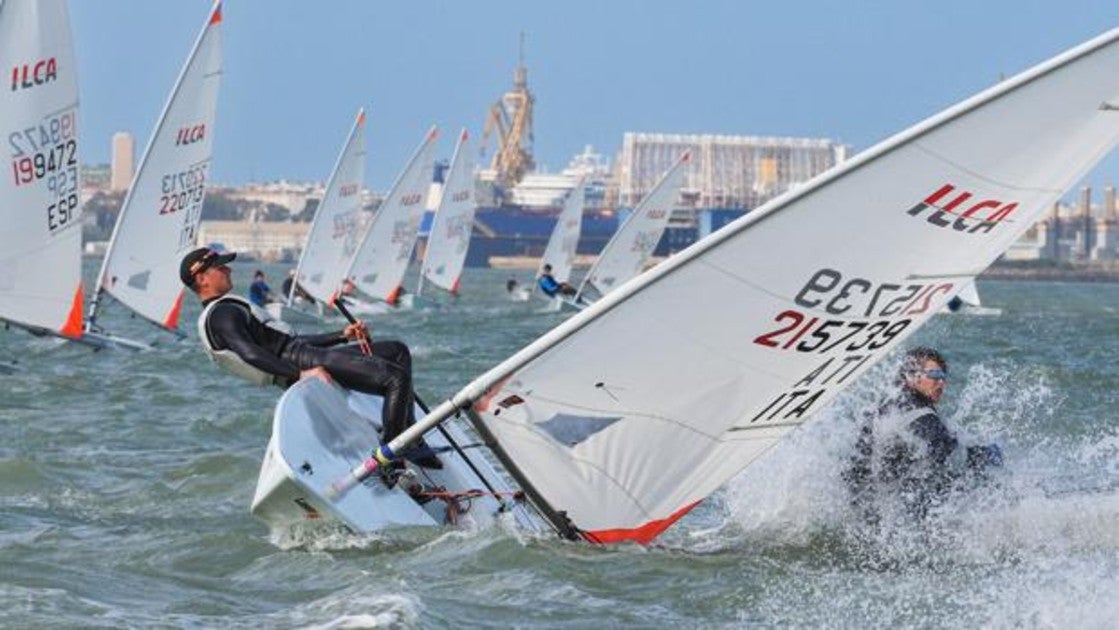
x=261, y=240
x=122, y=161
x=293, y=196
x=95, y=178
x=1080, y=232
x=725, y=172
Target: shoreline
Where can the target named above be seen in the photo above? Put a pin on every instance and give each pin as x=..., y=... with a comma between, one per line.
x=1068, y=272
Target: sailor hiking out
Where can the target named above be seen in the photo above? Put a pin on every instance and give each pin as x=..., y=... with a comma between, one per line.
x=552, y=287
x=237, y=336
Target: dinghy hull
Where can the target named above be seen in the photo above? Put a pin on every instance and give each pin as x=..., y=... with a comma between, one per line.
x=321, y=431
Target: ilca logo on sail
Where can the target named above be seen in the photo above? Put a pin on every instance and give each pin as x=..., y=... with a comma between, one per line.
x=982, y=215
x=29, y=75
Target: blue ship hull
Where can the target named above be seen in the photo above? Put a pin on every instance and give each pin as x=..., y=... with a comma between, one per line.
x=511, y=231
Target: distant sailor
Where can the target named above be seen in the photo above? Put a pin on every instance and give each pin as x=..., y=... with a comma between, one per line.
x=260, y=293
x=511, y=284
x=300, y=292
x=552, y=287
x=236, y=335
x=905, y=451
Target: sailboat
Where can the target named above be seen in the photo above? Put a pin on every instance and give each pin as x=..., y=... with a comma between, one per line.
x=559, y=253
x=377, y=267
x=768, y=319
x=449, y=238
x=333, y=237
x=631, y=248
x=159, y=218
x=40, y=263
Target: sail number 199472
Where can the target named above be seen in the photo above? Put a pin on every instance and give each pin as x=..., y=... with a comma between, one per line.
x=47, y=153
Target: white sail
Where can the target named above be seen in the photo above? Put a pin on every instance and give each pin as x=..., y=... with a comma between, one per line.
x=631, y=247
x=560, y=251
x=450, y=230
x=333, y=237
x=382, y=258
x=969, y=295
x=41, y=238
x=625, y=416
x=159, y=218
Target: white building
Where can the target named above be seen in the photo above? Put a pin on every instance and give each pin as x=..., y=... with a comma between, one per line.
x=262, y=240
x=733, y=172
x=122, y=161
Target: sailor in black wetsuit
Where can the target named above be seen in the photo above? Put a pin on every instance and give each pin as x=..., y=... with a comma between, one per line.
x=904, y=448
x=236, y=335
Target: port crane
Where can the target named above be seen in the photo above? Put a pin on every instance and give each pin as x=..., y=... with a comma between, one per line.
x=511, y=117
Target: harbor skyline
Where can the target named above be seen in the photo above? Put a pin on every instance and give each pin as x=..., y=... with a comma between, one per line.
x=295, y=76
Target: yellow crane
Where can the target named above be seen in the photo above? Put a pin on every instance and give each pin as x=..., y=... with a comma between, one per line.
x=511, y=117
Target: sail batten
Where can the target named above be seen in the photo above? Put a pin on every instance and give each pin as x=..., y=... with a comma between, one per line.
x=795, y=310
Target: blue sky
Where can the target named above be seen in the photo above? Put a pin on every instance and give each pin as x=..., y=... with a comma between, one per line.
x=296, y=71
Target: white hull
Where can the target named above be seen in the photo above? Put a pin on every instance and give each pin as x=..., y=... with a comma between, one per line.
x=413, y=302
x=101, y=340
x=974, y=311
x=321, y=431
x=373, y=308
x=293, y=314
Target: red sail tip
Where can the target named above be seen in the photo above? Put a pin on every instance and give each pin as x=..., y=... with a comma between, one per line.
x=393, y=296
x=433, y=133
x=643, y=534
x=73, y=326
x=361, y=118
x=215, y=17
x=464, y=136
x=171, y=322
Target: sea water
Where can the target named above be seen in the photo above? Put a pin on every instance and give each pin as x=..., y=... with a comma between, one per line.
x=125, y=481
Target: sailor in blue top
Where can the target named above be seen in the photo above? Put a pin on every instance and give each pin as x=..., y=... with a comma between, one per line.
x=259, y=291
x=550, y=286
x=904, y=449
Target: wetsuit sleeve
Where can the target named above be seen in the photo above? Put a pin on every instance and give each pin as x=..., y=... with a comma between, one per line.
x=324, y=340
x=940, y=440
x=229, y=327
x=858, y=473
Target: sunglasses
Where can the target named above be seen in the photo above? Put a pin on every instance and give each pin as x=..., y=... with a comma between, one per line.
x=936, y=375
x=204, y=263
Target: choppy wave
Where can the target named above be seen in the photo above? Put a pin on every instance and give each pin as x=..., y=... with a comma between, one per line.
x=125, y=481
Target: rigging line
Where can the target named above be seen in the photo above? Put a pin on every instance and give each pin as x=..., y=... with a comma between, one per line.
x=978, y=175
x=458, y=449
x=557, y=520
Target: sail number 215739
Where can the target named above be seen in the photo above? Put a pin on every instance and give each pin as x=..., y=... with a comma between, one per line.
x=876, y=307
